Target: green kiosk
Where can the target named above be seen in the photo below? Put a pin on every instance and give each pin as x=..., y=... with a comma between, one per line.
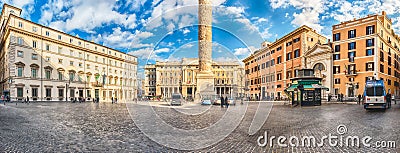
x=305, y=89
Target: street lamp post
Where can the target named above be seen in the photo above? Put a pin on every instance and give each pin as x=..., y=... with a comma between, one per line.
x=66, y=89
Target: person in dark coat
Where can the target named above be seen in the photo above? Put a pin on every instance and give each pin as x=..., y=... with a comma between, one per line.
x=27, y=99
x=388, y=99
x=226, y=102
x=112, y=100
x=222, y=102
x=359, y=99
x=329, y=97
x=341, y=97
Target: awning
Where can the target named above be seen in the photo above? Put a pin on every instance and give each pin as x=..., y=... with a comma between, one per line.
x=320, y=87
x=307, y=87
x=291, y=88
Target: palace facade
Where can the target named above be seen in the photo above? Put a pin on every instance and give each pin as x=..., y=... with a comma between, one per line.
x=44, y=64
x=165, y=78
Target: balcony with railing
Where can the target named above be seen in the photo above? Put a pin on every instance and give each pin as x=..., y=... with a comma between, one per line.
x=351, y=73
x=97, y=84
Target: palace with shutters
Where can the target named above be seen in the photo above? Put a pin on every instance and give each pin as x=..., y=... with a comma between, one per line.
x=45, y=64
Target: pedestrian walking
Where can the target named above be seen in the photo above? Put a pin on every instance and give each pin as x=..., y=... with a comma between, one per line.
x=359, y=99
x=341, y=97
x=222, y=102
x=112, y=100
x=226, y=102
x=329, y=97
x=27, y=100
x=116, y=100
x=388, y=99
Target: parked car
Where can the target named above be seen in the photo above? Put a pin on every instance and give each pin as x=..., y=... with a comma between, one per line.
x=206, y=101
x=232, y=101
x=176, y=99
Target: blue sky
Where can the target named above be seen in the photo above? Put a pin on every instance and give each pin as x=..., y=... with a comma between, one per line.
x=166, y=29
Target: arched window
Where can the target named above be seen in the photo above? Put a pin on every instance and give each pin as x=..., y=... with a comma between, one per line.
x=319, y=67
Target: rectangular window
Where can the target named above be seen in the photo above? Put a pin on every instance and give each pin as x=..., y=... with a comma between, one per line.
x=389, y=71
x=337, y=81
x=337, y=48
x=20, y=24
x=288, y=56
x=20, y=92
x=279, y=60
x=272, y=62
x=289, y=74
x=352, y=33
x=34, y=44
x=71, y=76
x=336, y=69
x=60, y=92
x=279, y=48
x=71, y=63
x=288, y=43
x=352, y=45
x=370, y=30
x=60, y=75
x=48, y=74
x=336, y=37
x=389, y=60
x=59, y=37
x=20, y=41
x=370, y=42
x=48, y=92
x=34, y=92
x=279, y=76
x=382, y=68
x=369, y=66
x=34, y=56
x=336, y=56
x=296, y=40
x=20, y=71
x=20, y=53
x=351, y=56
x=34, y=29
x=34, y=73
x=381, y=57
x=296, y=53
x=47, y=33
x=369, y=52
x=47, y=47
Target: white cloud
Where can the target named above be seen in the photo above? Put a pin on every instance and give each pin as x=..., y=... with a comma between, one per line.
x=162, y=50
x=310, y=11
x=242, y=52
x=189, y=45
x=185, y=31
x=84, y=15
x=307, y=17
x=124, y=39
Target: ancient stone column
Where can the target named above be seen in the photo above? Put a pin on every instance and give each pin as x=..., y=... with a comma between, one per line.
x=205, y=35
x=205, y=77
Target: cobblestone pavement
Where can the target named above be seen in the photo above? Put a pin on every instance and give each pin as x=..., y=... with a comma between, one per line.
x=106, y=127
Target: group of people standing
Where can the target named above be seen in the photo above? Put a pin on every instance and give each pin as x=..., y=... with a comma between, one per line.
x=224, y=101
x=114, y=100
